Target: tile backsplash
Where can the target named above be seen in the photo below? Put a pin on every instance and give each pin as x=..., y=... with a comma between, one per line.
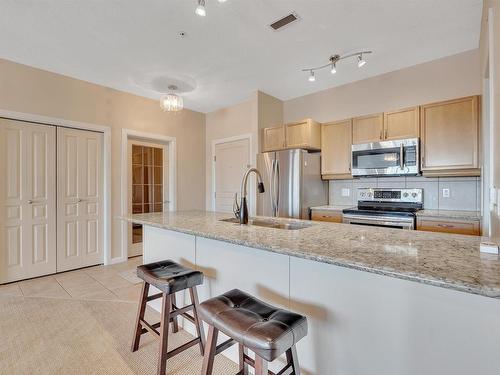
x=444, y=193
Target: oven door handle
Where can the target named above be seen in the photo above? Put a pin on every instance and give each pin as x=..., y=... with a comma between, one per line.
x=390, y=222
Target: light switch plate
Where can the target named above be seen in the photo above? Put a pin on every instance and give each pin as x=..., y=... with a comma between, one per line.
x=346, y=192
x=446, y=193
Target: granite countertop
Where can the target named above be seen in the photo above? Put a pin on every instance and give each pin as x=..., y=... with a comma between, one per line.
x=444, y=260
x=446, y=214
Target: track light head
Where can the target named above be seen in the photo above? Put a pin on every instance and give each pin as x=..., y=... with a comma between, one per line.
x=361, y=62
x=312, y=78
x=333, y=69
x=200, y=9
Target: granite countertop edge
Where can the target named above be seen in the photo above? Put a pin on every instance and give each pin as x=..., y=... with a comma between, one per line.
x=390, y=272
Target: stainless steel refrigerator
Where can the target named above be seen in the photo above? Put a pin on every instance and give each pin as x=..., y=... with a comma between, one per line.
x=292, y=179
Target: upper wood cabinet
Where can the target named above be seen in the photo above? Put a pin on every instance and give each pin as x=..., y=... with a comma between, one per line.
x=450, y=137
x=367, y=129
x=273, y=138
x=336, y=140
x=401, y=124
x=304, y=134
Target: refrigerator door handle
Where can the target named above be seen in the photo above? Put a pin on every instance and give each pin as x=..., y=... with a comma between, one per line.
x=277, y=178
x=271, y=187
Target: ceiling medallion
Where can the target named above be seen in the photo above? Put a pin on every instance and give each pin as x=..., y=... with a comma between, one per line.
x=171, y=102
x=332, y=64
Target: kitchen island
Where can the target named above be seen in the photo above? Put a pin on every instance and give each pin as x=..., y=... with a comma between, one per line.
x=378, y=300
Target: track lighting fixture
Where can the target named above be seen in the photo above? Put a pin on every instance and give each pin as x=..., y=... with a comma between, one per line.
x=200, y=9
x=332, y=64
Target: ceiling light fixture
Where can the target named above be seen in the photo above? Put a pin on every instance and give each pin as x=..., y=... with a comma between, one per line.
x=200, y=9
x=222, y=1
x=171, y=102
x=361, y=62
x=332, y=63
x=333, y=70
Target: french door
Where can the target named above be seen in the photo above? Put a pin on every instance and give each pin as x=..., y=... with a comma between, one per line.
x=79, y=202
x=28, y=200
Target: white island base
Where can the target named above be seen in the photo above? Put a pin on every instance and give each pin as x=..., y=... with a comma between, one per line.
x=360, y=323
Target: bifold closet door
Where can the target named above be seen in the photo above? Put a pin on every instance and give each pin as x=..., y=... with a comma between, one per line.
x=79, y=199
x=27, y=199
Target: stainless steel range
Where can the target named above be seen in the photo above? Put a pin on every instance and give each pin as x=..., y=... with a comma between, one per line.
x=394, y=208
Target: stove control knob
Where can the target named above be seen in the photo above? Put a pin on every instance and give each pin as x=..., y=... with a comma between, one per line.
x=414, y=195
x=405, y=195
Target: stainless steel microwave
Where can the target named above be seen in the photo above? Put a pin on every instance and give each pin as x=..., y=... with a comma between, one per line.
x=387, y=158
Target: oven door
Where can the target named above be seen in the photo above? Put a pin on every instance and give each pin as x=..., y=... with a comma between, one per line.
x=389, y=158
x=380, y=221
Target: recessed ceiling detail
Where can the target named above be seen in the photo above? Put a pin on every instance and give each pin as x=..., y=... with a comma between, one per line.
x=230, y=53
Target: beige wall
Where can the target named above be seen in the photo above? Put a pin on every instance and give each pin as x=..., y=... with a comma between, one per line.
x=34, y=91
x=229, y=122
x=260, y=111
x=446, y=78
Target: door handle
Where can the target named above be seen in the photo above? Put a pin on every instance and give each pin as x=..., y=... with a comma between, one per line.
x=277, y=188
x=401, y=156
x=30, y=201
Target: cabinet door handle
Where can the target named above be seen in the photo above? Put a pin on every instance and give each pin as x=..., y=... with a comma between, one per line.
x=385, y=135
x=381, y=134
x=445, y=225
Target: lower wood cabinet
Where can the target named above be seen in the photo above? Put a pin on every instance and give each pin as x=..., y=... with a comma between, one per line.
x=449, y=226
x=332, y=216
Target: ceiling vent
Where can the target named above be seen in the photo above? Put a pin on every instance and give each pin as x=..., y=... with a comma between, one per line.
x=285, y=21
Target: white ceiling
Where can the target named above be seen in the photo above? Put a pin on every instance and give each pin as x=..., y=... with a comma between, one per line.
x=128, y=44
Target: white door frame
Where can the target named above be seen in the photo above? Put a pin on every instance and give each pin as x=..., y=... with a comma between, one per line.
x=172, y=178
x=106, y=130
x=240, y=137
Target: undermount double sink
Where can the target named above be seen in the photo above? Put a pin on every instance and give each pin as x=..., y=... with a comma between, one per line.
x=271, y=223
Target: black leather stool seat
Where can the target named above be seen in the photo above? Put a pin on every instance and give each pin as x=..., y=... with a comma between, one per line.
x=266, y=330
x=169, y=277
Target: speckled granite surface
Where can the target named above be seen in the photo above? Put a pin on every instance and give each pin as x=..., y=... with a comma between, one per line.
x=445, y=260
x=445, y=214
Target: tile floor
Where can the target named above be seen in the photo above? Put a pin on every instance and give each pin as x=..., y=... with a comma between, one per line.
x=115, y=282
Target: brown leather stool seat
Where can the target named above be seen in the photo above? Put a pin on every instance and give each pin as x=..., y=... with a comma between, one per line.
x=169, y=277
x=266, y=330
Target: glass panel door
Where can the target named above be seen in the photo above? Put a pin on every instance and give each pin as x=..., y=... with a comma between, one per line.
x=147, y=184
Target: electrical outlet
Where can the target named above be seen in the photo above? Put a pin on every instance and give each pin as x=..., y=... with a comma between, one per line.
x=446, y=193
x=346, y=192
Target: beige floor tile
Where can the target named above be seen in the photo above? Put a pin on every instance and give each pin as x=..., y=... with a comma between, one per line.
x=79, y=284
x=11, y=290
x=43, y=287
x=111, y=281
x=104, y=295
x=130, y=293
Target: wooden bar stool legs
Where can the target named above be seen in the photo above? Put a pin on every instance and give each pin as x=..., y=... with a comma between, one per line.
x=169, y=314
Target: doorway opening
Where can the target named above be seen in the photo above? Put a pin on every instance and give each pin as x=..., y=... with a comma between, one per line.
x=148, y=182
x=148, y=185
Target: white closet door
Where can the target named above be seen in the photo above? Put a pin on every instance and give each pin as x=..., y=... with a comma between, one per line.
x=79, y=201
x=28, y=200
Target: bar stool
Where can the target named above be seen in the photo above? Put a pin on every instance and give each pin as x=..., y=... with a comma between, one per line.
x=266, y=330
x=169, y=277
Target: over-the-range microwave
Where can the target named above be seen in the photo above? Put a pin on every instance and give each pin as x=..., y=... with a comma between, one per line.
x=386, y=158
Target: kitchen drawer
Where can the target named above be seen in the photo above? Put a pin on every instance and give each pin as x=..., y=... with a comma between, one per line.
x=327, y=215
x=449, y=226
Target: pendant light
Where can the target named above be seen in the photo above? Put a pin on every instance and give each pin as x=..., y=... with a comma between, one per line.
x=171, y=102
